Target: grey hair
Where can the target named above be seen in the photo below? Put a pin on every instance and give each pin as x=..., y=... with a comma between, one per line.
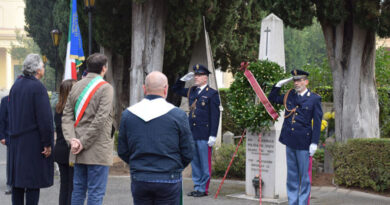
x=31, y=64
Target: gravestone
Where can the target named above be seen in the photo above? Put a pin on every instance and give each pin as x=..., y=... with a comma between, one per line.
x=328, y=159
x=273, y=153
x=228, y=138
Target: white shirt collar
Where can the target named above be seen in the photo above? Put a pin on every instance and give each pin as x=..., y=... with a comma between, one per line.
x=303, y=93
x=202, y=87
x=150, y=109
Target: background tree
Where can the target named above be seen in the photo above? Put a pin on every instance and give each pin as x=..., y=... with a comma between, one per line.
x=349, y=28
x=304, y=47
x=112, y=31
x=39, y=23
x=25, y=46
x=242, y=44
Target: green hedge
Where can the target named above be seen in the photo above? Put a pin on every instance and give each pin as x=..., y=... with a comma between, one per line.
x=221, y=160
x=362, y=163
x=326, y=93
x=384, y=111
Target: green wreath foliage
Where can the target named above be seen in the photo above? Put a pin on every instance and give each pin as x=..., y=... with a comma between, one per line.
x=246, y=110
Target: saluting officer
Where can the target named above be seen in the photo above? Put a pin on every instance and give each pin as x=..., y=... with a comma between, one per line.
x=204, y=120
x=300, y=133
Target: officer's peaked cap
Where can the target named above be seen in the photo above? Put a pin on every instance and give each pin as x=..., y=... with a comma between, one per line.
x=299, y=74
x=200, y=69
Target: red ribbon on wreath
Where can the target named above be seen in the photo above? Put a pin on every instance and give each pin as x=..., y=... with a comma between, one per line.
x=259, y=92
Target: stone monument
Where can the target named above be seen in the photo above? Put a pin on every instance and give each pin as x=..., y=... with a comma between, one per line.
x=273, y=153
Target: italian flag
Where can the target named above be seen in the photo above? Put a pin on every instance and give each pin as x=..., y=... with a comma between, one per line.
x=74, y=49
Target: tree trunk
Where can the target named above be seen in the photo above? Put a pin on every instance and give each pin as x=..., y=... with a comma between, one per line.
x=117, y=76
x=147, y=43
x=351, y=54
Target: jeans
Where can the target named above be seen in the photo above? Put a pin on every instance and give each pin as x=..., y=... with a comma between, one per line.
x=66, y=184
x=298, y=180
x=32, y=196
x=201, y=166
x=151, y=193
x=91, y=178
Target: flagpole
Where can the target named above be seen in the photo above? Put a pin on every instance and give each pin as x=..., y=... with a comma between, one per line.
x=89, y=4
x=89, y=32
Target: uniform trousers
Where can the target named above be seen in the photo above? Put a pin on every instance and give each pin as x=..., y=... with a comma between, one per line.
x=298, y=180
x=201, y=166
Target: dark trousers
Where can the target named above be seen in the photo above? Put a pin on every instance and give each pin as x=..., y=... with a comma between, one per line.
x=8, y=170
x=32, y=196
x=66, y=187
x=148, y=193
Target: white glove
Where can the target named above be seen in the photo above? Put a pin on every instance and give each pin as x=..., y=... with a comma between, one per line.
x=312, y=149
x=187, y=76
x=211, y=141
x=282, y=82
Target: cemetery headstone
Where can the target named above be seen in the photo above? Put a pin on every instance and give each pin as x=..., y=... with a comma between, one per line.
x=228, y=138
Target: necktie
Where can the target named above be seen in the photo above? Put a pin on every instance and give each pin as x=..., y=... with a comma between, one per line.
x=197, y=90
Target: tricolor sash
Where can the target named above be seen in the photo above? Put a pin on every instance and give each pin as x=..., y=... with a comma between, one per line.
x=259, y=92
x=83, y=100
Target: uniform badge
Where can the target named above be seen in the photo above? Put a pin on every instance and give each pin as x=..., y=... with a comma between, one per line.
x=203, y=104
x=295, y=72
x=197, y=66
x=308, y=94
x=207, y=89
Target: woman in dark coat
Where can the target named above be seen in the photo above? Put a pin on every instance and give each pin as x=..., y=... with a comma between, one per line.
x=61, y=149
x=31, y=134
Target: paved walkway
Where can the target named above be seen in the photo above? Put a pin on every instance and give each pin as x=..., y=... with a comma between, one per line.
x=118, y=193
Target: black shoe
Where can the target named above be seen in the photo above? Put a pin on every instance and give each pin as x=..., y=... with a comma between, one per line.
x=191, y=193
x=8, y=192
x=199, y=194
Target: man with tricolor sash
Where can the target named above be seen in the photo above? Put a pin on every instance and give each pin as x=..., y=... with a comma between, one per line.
x=86, y=124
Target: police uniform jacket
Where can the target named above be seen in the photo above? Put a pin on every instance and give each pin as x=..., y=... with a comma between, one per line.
x=298, y=131
x=204, y=118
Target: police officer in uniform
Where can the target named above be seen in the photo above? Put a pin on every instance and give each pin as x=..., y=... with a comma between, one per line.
x=204, y=120
x=300, y=133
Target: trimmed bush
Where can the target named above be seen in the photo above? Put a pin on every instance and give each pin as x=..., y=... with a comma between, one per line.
x=363, y=163
x=221, y=160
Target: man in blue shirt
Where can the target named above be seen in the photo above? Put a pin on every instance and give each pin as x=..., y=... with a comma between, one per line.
x=156, y=141
x=300, y=133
